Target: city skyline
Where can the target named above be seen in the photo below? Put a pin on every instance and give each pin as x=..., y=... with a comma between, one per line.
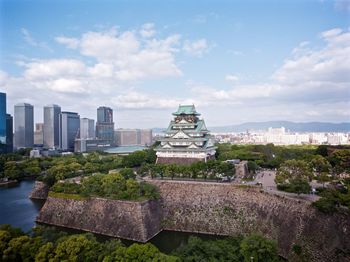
x=237, y=62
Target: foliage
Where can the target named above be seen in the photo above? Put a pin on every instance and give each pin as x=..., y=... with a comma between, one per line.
x=229, y=249
x=257, y=248
x=138, y=158
x=212, y=169
x=48, y=244
x=113, y=186
x=332, y=198
x=294, y=176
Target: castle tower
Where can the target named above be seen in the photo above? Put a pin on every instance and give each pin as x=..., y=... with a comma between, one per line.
x=186, y=140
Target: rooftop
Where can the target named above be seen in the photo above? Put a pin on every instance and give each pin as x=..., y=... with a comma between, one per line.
x=186, y=110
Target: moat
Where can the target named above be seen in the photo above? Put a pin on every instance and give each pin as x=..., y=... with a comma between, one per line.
x=20, y=211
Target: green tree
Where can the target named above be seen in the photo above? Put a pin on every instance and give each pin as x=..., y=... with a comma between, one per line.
x=299, y=185
x=257, y=248
x=127, y=173
x=12, y=170
x=45, y=253
x=114, y=185
x=320, y=164
x=76, y=248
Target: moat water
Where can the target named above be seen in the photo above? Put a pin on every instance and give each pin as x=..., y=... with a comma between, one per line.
x=18, y=210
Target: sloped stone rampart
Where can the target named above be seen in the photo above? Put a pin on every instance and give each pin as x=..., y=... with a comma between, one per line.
x=138, y=221
x=211, y=208
x=39, y=191
x=227, y=209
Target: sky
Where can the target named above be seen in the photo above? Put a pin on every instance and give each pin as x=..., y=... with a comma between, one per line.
x=236, y=61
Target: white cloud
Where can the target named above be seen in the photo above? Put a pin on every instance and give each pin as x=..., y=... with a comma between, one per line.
x=52, y=68
x=31, y=41
x=147, y=30
x=321, y=73
x=232, y=78
x=196, y=48
x=69, y=42
x=136, y=100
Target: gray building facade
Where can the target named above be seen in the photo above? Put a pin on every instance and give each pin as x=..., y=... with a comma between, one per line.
x=24, y=125
x=87, y=128
x=51, y=126
x=9, y=133
x=105, y=124
x=69, y=128
x=2, y=122
x=38, y=134
x=133, y=137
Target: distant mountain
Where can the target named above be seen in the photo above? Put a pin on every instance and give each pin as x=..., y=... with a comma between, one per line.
x=291, y=126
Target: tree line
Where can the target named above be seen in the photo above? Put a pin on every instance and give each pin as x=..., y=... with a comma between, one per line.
x=48, y=244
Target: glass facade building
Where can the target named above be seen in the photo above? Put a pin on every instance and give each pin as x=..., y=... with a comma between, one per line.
x=87, y=128
x=105, y=124
x=69, y=128
x=51, y=126
x=2, y=118
x=9, y=133
x=24, y=125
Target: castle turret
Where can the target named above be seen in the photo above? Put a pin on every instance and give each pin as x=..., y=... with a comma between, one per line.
x=186, y=140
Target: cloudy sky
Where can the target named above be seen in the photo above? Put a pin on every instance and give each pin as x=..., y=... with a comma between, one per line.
x=237, y=61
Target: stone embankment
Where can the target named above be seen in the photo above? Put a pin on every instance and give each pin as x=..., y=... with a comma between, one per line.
x=226, y=209
x=138, y=221
x=211, y=208
x=40, y=191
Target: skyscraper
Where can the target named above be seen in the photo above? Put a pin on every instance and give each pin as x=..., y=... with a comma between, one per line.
x=24, y=125
x=2, y=122
x=51, y=125
x=105, y=124
x=87, y=128
x=38, y=134
x=9, y=133
x=69, y=125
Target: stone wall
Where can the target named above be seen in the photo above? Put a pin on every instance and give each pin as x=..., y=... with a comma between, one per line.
x=39, y=191
x=226, y=209
x=211, y=208
x=138, y=221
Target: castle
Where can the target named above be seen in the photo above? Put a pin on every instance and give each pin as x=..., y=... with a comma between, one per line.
x=186, y=140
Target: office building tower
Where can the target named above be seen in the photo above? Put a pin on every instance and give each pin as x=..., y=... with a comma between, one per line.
x=38, y=134
x=87, y=128
x=131, y=137
x=51, y=126
x=9, y=133
x=69, y=125
x=2, y=122
x=105, y=124
x=24, y=125
x=146, y=137
x=127, y=137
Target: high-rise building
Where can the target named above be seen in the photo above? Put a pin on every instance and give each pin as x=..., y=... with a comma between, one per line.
x=38, y=134
x=24, y=125
x=105, y=124
x=69, y=125
x=146, y=137
x=51, y=126
x=129, y=137
x=9, y=133
x=87, y=128
x=186, y=140
x=2, y=122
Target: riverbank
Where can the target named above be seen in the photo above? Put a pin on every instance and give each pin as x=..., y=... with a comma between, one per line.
x=16, y=208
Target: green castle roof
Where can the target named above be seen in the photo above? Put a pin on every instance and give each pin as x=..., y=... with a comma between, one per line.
x=186, y=110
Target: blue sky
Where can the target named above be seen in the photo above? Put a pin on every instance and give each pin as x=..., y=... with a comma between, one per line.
x=237, y=61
